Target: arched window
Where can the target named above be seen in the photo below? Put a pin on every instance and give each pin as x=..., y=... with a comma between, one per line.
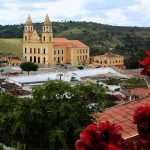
x=44, y=60
x=25, y=38
x=38, y=59
x=43, y=38
x=30, y=58
x=34, y=59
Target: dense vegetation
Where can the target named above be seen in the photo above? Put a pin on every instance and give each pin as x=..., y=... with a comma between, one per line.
x=130, y=83
x=132, y=42
x=53, y=118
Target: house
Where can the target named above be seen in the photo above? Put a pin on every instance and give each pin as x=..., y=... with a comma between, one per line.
x=47, y=50
x=108, y=59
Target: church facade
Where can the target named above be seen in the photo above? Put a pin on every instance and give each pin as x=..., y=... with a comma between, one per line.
x=48, y=50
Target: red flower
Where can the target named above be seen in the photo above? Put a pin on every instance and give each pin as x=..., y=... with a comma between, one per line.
x=143, y=141
x=112, y=129
x=103, y=137
x=118, y=141
x=90, y=136
x=142, y=116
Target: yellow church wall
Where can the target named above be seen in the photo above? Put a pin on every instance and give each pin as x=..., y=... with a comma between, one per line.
x=69, y=55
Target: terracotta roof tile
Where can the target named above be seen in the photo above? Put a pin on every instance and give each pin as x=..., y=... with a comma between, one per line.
x=78, y=44
x=64, y=43
x=140, y=92
x=123, y=115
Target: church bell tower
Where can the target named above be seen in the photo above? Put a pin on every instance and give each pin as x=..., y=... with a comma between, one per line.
x=47, y=33
x=28, y=29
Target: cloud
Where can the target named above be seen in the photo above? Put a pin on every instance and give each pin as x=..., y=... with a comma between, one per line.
x=141, y=7
x=119, y=12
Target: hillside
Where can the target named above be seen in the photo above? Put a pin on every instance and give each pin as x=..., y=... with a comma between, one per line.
x=11, y=46
x=128, y=41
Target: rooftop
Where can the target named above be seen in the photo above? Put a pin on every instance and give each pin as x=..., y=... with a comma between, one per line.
x=123, y=115
x=63, y=42
x=139, y=92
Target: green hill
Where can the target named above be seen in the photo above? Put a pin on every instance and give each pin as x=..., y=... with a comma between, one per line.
x=132, y=42
x=11, y=47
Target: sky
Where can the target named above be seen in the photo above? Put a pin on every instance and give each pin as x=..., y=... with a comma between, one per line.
x=111, y=12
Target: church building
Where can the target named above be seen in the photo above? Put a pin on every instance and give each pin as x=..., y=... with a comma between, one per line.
x=48, y=50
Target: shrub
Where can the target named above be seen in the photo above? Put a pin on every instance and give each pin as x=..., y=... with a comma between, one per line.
x=80, y=67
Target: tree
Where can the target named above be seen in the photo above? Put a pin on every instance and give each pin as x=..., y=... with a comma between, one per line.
x=53, y=118
x=28, y=66
x=66, y=110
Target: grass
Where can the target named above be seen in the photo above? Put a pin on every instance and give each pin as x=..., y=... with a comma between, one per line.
x=11, y=47
x=74, y=31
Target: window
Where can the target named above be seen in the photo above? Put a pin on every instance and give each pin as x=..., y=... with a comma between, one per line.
x=44, y=51
x=54, y=52
x=85, y=56
x=38, y=59
x=86, y=50
x=25, y=38
x=77, y=57
x=58, y=52
x=38, y=50
x=30, y=58
x=34, y=50
x=30, y=50
x=105, y=61
x=80, y=50
x=43, y=38
x=80, y=57
x=44, y=60
x=101, y=62
x=110, y=62
x=62, y=52
x=50, y=38
x=62, y=59
x=25, y=50
x=54, y=58
x=116, y=61
x=83, y=50
x=34, y=59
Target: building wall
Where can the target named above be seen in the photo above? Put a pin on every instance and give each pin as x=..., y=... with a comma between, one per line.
x=33, y=51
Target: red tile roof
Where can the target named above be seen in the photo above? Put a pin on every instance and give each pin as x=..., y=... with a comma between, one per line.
x=123, y=115
x=78, y=44
x=141, y=92
x=63, y=43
